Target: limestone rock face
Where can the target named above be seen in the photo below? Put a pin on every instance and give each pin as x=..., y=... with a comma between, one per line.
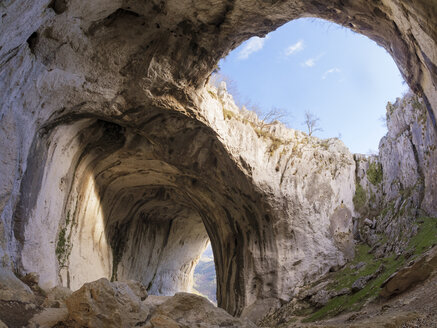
x=400, y=183
x=117, y=161
x=125, y=205
x=411, y=140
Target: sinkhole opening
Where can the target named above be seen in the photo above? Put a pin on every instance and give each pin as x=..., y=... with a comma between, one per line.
x=316, y=76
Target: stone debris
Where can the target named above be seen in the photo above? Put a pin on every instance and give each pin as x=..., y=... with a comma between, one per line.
x=102, y=303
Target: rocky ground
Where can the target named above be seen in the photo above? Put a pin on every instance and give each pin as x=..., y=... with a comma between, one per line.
x=405, y=299
x=108, y=304
x=126, y=304
x=415, y=308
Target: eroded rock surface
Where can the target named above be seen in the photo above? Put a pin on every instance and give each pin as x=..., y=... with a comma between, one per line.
x=117, y=161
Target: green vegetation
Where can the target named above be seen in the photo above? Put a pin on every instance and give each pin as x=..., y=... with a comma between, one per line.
x=422, y=241
x=425, y=237
x=360, y=198
x=276, y=142
x=390, y=108
x=325, y=144
x=212, y=93
x=227, y=114
x=374, y=173
x=355, y=301
x=61, y=247
x=415, y=103
x=389, y=208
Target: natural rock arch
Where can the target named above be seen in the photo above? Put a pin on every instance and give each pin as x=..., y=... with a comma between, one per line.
x=140, y=206
x=132, y=63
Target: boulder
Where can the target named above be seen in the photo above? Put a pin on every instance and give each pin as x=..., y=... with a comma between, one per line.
x=162, y=321
x=56, y=297
x=324, y=296
x=13, y=289
x=257, y=310
x=360, y=283
x=321, y=298
x=417, y=271
x=136, y=287
x=104, y=304
x=359, y=265
x=48, y=317
x=190, y=310
x=153, y=301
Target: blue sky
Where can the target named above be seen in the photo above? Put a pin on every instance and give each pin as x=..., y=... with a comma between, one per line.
x=342, y=77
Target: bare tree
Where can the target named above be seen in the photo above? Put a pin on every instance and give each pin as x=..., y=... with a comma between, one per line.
x=312, y=123
x=231, y=86
x=271, y=116
x=383, y=120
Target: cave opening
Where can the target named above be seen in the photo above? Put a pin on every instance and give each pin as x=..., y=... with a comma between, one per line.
x=205, y=281
x=343, y=81
x=123, y=216
x=135, y=205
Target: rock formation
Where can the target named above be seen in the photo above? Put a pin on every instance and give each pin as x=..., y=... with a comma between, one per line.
x=399, y=184
x=118, y=161
x=126, y=304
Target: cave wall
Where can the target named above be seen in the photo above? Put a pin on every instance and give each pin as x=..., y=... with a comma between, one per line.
x=119, y=204
x=127, y=61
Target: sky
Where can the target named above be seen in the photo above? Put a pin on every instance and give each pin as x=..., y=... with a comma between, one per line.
x=342, y=77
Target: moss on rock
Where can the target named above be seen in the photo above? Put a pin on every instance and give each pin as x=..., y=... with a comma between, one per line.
x=374, y=173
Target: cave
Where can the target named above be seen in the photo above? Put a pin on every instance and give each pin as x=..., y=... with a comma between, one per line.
x=136, y=206
x=117, y=162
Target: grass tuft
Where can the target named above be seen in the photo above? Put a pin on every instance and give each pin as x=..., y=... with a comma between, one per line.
x=374, y=173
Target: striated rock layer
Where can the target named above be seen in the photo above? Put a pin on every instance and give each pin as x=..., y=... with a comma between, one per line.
x=117, y=160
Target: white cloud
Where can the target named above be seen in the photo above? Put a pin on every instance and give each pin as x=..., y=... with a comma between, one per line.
x=252, y=45
x=330, y=71
x=310, y=62
x=298, y=46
